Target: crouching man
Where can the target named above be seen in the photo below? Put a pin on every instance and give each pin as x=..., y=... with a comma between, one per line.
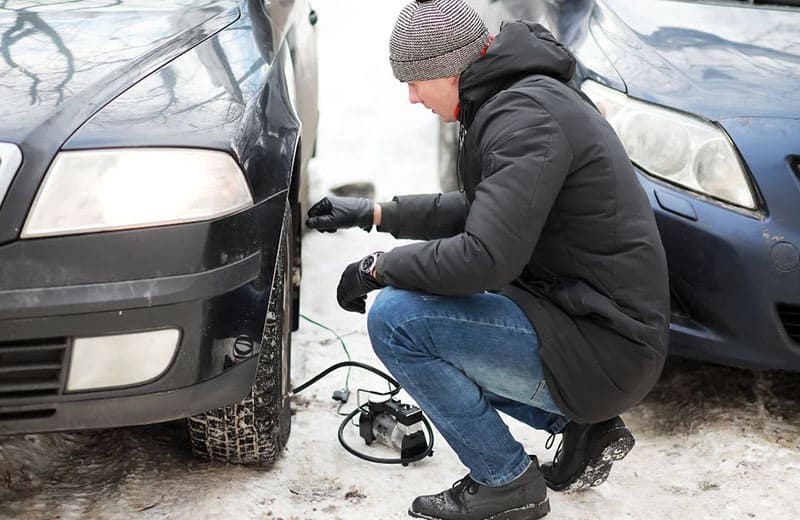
x=540, y=290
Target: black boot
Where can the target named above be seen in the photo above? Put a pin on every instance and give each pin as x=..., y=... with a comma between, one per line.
x=584, y=457
x=524, y=498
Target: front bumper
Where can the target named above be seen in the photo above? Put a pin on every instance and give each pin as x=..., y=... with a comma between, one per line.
x=734, y=283
x=209, y=280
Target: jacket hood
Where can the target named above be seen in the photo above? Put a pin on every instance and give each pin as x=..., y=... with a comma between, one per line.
x=520, y=49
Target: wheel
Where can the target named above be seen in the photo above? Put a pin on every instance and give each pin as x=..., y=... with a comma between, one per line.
x=448, y=156
x=255, y=430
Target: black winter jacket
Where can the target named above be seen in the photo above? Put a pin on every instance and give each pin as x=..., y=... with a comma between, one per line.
x=552, y=216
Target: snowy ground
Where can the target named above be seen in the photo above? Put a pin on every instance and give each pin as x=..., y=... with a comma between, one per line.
x=712, y=442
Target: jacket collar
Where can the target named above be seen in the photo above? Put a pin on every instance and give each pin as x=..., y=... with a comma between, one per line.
x=520, y=49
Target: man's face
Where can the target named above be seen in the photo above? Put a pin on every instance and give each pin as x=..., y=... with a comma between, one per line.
x=440, y=96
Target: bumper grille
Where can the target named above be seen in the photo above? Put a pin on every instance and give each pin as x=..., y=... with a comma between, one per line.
x=790, y=317
x=32, y=369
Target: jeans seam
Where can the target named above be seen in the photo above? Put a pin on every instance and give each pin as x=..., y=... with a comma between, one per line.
x=527, y=332
x=518, y=470
x=559, y=424
x=400, y=366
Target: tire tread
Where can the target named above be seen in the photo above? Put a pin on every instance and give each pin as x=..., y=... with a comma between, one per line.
x=256, y=429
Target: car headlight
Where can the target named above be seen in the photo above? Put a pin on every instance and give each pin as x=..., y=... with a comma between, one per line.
x=674, y=146
x=88, y=191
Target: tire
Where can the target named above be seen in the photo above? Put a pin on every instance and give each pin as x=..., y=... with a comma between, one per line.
x=255, y=430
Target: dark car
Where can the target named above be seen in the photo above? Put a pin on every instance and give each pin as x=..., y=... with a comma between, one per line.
x=705, y=98
x=152, y=157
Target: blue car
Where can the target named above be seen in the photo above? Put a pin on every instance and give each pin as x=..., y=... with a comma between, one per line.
x=705, y=98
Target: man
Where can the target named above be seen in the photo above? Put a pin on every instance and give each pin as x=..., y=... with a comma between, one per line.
x=540, y=290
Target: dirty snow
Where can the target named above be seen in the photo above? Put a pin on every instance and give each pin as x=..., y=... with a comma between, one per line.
x=712, y=442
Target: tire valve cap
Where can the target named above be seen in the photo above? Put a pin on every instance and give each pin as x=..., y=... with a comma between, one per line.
x=243, y=347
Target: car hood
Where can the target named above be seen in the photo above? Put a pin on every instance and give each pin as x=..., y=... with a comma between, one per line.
x=61, y=64
x=717, y=60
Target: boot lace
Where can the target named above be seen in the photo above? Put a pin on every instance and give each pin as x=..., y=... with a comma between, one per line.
x=466, y=484
x=549, y=444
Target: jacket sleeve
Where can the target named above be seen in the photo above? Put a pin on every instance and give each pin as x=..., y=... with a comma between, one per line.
x=425, y=217
x=525, y=160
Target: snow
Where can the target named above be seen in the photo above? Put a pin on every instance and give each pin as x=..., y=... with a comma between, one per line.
x=711, y=442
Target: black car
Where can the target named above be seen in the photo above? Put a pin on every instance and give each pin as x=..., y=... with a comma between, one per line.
x=152, y=163
x=704, y=96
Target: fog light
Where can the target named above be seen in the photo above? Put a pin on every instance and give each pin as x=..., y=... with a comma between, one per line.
x=121, y=360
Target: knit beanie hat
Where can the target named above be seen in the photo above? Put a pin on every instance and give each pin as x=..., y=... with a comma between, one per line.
x=435, y=39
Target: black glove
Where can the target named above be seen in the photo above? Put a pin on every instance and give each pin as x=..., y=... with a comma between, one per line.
x=332, y=213
x=356, y=282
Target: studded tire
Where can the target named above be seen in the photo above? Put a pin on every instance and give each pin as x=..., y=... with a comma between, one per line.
x=255, y=430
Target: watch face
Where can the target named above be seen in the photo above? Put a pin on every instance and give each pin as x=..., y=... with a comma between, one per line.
x=367, y=263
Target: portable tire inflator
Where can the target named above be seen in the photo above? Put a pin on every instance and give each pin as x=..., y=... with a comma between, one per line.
x=384, y=419
x=396, y=425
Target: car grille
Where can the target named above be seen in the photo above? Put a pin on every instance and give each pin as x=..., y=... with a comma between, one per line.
x=32, y=369
x=790, y=317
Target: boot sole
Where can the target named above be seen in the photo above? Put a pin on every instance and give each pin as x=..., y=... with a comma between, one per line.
x=598, y=465
x=530, y=512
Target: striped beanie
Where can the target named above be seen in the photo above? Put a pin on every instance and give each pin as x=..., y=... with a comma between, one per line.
x=436, y=39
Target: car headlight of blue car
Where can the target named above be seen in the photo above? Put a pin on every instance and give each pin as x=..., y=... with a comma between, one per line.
x=676, y=147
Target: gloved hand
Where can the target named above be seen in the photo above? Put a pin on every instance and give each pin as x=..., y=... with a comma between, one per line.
x=356, y=282
x=332, y=213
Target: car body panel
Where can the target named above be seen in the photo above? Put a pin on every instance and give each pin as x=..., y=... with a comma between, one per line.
x=196, y=100
x=727, y=280
x=708, y=59
x=67, y=68
x=235, y=76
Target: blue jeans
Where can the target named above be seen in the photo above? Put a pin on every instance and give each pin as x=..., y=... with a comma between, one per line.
x=463, y=358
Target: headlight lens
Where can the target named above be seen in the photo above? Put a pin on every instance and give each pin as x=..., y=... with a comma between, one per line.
x=676, y=147
x=102, y=190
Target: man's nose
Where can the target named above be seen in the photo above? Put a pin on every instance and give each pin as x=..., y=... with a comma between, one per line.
x=412, y=95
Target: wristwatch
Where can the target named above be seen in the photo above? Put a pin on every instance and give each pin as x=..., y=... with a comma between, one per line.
x=368, y=264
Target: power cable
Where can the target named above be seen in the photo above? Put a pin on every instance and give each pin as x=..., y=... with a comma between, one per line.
x=342, y=397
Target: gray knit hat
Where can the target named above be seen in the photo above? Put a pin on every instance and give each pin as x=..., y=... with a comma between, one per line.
x=436, y=39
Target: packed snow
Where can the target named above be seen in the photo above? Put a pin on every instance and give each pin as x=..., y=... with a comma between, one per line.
x=712, y=442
